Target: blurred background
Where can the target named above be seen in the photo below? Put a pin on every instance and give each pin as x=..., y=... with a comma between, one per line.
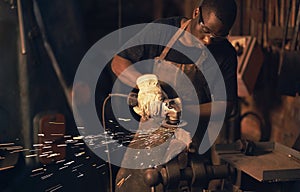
x=40, y=147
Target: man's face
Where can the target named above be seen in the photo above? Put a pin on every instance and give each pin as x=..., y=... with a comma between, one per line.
x=208, y=28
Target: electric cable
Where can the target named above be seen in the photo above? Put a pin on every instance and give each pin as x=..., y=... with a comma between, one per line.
x=106, y=144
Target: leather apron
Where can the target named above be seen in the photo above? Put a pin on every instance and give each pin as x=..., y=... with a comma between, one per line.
x=175, y=75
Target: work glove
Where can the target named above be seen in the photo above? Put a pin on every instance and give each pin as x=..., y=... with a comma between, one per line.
x=150, y=96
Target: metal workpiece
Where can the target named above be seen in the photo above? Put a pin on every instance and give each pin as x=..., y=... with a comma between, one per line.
x=246, y=147
x=276, y=164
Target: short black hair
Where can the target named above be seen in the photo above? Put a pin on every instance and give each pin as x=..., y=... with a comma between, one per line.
x=225, y=10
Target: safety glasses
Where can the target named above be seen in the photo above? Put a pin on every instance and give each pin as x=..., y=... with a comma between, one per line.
x=208, y=31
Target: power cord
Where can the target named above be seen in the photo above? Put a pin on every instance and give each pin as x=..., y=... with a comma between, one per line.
x=104, y=127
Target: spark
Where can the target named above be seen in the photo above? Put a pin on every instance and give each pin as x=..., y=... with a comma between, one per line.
x=69, y=163
x=79, y=144
x=56, y=123
x=60, y=161
x=108, y=142
x=127, y=177
x=62, y=145
x=32, y=150
x=61, y=168
x=6, y=144
x=47, y=152
x=81, y=175
x=70, y=141
x=5, y=168
x=79, y=154
x=37, y=145
x=17, y=151
x=14, y=148
x=34, y=175
x=75, y=167
x=123, y=119
x=46, y=176
x=100, y=166
x=52, y=189
x=33, y=155
x=38, y=169
x=123, y=180
x=78, y=137
x=53, y=155
x=94, y=136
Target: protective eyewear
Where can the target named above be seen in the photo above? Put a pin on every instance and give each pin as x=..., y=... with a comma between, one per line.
x=207, y=31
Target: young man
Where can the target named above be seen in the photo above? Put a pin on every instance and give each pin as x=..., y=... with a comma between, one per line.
x=210, y=24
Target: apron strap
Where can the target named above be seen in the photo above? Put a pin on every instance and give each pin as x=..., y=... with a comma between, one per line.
x=174, y=39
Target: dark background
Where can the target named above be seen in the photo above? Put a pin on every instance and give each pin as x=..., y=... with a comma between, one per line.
x=29, y=85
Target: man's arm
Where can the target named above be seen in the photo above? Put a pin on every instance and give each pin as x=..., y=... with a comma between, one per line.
x=124, y=70
x=128, y=74
x=206, y=110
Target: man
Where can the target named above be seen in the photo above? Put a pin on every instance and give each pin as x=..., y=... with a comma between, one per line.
x=210, y=24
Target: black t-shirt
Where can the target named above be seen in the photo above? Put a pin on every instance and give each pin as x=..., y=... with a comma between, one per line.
x=223, y=52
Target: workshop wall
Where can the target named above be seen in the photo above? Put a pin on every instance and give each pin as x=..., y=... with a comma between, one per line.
x=276, y=107
x=74, y=26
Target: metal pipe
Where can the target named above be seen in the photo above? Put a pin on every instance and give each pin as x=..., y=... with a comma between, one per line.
x=285, y=32
x=296, y=30
x=51, y=54
x=21, y=27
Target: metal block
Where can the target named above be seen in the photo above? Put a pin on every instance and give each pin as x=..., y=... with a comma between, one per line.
x=283, y=164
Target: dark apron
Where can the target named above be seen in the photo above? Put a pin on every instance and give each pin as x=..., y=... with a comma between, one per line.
x=176, y=75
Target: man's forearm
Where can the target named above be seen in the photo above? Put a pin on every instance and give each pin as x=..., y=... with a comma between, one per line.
x=206, y=110
x=125, y=71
